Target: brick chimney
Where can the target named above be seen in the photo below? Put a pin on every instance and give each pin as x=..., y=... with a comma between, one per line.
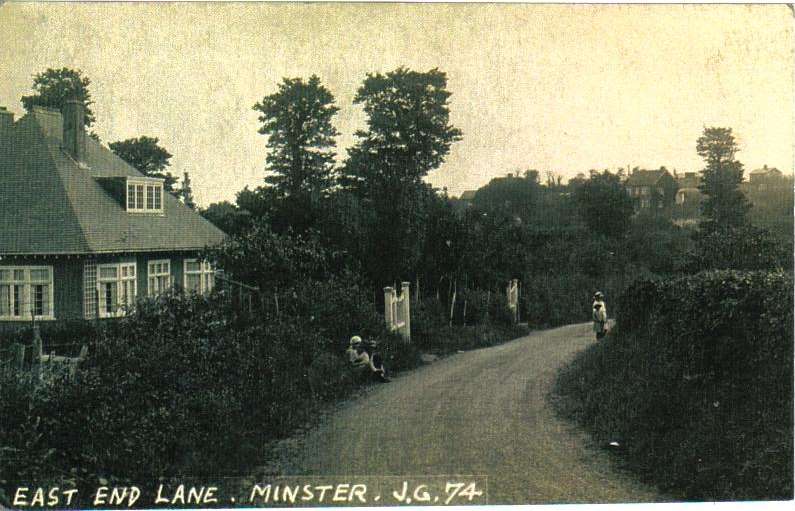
x=6, y=121
x=74, y=133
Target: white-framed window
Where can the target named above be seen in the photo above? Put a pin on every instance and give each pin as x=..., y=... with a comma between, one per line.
x=159, y=276
x=26, y=292
x=115, y=288
x=199, y=276
x=144, y=196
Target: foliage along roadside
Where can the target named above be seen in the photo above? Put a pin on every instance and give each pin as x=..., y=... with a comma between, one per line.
x=183, y=386
x=695, y=385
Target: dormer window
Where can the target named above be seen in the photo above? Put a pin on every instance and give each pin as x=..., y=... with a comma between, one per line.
x=145, y=195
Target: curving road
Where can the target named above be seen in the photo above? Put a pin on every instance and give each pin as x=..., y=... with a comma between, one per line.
x=479, y=412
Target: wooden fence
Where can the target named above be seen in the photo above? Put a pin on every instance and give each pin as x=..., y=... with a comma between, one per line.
x=244, y=298
x=19, y=357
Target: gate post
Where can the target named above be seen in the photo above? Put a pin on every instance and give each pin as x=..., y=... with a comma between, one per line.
x=389, y=296
x=512, y=293
x=404, y=293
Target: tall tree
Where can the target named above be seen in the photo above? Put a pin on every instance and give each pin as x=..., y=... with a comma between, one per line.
x=725, y=205
x=145, y=154
x=54, y=87
x=409, y=131
x=186, y=192
x=409, y=134
x=297, y=121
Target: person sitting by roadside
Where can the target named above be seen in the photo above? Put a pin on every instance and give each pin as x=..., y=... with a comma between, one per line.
x=363, y=356
x=599, y=315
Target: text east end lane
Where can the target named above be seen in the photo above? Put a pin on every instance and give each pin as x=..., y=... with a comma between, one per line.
x=260, y=494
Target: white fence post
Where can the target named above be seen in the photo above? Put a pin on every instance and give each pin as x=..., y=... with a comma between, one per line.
x=512, y=294
x=397, y=310
x=404, y=293
x=388, y=316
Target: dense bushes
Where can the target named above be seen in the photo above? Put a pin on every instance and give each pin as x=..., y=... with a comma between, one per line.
x=64, y=338
x=696, y=386
x=431, y=330
x=557, y=299
x=182, y=385
x=176, y=387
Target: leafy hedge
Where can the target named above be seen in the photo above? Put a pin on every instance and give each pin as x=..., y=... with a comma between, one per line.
x=177, y=388
x=432, y=332
x=63, y=337
x=554, y=299
x=695, y=385
x=183, y=386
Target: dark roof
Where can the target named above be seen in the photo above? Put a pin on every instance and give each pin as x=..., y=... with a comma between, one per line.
x=766, y=170
x=645, y=177
x=50, y=204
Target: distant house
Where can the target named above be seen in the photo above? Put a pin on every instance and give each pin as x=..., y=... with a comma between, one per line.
x=82, y=233
x=766, y=178
x=651, y=189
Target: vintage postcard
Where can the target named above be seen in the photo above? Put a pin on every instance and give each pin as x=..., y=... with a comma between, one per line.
x=277, y=255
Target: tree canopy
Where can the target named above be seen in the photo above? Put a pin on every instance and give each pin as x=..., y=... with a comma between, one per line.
x=54, y=87
x=409, y=131
x=516, y=195
x=297, y=121
x=603, y=203
x=145, y=154
x=409, y=134
x=725, y=205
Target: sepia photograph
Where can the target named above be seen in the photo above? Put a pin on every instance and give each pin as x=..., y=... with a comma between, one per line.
x=297, y=254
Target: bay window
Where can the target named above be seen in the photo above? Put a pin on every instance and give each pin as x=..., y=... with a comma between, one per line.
x=26, y=292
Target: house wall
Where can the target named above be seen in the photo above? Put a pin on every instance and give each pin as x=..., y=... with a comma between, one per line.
x=176, y=260
x=68, y=292
x=67, y=287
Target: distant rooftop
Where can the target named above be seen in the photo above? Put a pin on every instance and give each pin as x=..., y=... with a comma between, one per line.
x=765, y=170
x=645, y=177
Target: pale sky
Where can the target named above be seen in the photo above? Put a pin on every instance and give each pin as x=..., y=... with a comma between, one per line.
x=555, y=87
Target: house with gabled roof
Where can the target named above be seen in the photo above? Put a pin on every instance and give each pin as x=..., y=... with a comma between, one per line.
x=765, y=178
x=82, y=233
x=651, y=189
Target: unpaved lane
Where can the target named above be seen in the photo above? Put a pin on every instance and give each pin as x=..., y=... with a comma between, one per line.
x=480, y=412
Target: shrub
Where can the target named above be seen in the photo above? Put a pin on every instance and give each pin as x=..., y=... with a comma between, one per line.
x=63, y=338
x=558, y=299
x=742, y=248
x=337, y=308
x=696, y=385
x=330, y=377
x=398, y=354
